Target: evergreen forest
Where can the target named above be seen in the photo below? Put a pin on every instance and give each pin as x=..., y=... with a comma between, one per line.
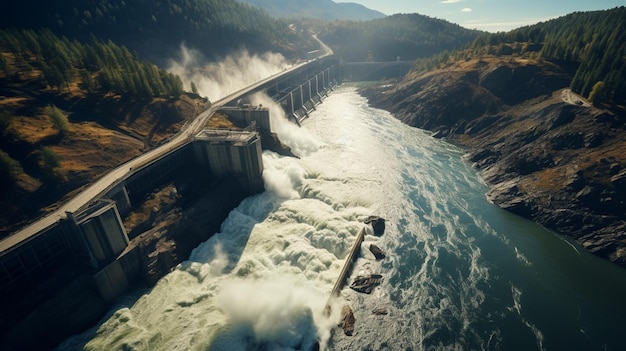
x=100, y=67
x=591, y=45
x=401, y=36
x=156, y=29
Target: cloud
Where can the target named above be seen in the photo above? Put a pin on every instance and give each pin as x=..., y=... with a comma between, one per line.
x=467, y=9
x=451, y=1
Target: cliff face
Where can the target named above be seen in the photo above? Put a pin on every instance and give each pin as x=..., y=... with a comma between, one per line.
x=545, y=153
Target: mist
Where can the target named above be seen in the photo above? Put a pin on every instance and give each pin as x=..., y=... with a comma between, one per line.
x=300, y=140
x=216, y=80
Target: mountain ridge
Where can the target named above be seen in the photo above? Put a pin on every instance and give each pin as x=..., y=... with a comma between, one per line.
x=321, y=9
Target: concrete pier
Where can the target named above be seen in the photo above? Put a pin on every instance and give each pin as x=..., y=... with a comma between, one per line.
x=354, y=252
x=236, y=153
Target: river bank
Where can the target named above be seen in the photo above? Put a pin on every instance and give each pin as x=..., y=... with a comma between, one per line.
x=560, y=164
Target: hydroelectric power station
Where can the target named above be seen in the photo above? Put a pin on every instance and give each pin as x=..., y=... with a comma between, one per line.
x=94, y=236
x=91, y=234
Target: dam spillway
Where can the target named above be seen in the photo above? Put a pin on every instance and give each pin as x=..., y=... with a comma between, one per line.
x=40, y=247
x=94, y=236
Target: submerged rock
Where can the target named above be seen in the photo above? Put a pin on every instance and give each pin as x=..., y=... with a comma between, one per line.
x=366, y=284
x=377, y=251
x=347, y=320
x=380, y=311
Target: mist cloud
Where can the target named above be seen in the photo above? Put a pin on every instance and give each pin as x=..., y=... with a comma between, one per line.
x=273, y=311
x=300, y=140
x=216, y=80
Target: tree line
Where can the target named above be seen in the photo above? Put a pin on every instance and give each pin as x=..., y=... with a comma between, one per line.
x=404, y=36
x=154, y=29
x=101, y=67
x=595, y=42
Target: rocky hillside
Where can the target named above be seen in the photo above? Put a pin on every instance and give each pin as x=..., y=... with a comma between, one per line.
x=546, y=153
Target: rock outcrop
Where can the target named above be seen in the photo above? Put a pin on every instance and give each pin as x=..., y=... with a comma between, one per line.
x=377, y=252
x=378, y=224
x=557, y=161
x=347, y=320
x=380, y=311
x=366, y=284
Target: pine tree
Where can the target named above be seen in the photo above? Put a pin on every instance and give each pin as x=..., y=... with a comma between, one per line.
x=58, y=119
x=597, y=93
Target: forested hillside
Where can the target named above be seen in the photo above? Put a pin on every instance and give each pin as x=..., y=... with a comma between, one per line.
x=156, y=29
x=407, y=36
x=81, y=90
x=596, y=41
x=591, y=45
x=321, y=9
x=71, y=110
x=100, y=67
x=546, y=154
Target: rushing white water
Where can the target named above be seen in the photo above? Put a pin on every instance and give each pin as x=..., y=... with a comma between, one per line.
x=460, y=274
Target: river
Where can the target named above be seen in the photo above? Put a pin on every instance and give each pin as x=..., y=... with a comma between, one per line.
x=460, y=273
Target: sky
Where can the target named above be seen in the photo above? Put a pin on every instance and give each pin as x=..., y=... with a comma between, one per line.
x=489, y=15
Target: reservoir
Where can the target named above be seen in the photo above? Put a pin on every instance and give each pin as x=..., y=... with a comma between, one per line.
x=460, y=273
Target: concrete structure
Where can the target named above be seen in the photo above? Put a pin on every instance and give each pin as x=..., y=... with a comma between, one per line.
x=301, y=96
x=116, y=277
x=98, y=232
x=248, y=115
x=88, y=231
x=155, y=173
x=235, y=153
x=93, y=236
x=34, y=257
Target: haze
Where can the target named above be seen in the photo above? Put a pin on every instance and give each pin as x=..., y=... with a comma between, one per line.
x=489, y=15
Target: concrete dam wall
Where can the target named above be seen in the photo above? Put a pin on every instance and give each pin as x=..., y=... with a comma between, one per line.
x=93, y=239
x=95, y=235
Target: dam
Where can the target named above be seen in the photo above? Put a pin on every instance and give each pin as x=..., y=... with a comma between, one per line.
x=93, y=236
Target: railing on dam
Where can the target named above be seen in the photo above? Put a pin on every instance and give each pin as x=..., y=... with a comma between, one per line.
x=299, y=91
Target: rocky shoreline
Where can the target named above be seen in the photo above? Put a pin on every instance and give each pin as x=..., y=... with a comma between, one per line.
x=545, y=154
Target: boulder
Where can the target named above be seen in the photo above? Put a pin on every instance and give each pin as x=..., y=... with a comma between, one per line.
x=568, y=141
x=508, y=196
x=378, y=224
x=575, y=182
x=377, y=251
x=347, y=320
x=366, y=284
x=565, y=116
x=619, y=181
x=380, y=311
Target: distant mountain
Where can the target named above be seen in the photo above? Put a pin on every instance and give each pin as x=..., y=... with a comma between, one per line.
x=321, y=9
